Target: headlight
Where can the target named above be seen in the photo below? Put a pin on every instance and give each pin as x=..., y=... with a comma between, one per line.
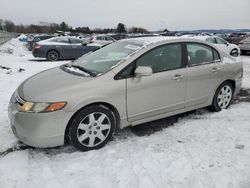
x=33, y=107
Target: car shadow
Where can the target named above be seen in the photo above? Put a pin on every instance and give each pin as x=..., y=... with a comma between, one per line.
x=38, y=60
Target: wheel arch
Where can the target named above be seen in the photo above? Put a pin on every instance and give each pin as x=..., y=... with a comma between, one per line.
x=105, y=105
x=231, y=81
x=235, y=49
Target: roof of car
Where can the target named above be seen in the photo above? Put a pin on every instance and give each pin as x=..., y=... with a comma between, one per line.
x=151, y=40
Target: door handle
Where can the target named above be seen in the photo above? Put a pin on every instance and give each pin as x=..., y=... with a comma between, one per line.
x=215, y=69
x=178, y=77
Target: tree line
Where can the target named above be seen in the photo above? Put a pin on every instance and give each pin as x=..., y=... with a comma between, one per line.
x=45, y=27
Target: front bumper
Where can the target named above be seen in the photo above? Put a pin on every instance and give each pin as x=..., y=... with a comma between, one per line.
x=37, y=129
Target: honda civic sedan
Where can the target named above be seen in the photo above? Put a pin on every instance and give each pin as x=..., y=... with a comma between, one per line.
x=126, y=83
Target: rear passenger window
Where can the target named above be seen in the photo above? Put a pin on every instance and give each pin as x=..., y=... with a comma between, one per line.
x=162, y=58
x=75, y=41
x=211, y=40
x=200, y=54
x=62, y=40
x=216, y=55
x=221, y=41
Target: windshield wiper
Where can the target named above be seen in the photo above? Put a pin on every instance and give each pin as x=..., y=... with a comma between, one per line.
x=82, y=69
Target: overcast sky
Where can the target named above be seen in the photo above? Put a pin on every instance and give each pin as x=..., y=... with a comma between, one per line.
x=150, y=14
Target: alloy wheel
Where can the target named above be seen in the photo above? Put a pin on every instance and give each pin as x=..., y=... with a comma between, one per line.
x=93, y=129
x=53, y=56
x=224, y=97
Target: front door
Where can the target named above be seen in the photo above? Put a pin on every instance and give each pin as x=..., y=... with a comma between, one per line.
x=164, y=90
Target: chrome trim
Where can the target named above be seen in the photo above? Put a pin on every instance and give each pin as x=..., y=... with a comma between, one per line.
x=19, y=100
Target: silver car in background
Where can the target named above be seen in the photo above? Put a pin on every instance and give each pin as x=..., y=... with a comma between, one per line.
x=126, y=83
x=245, y=46
x=229, y=48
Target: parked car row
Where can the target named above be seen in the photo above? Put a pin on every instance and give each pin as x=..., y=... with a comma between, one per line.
x=72, y=47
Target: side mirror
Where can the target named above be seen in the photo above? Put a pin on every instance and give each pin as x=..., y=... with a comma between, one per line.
x=143, y=71
x=227, y=44
x=84, y=44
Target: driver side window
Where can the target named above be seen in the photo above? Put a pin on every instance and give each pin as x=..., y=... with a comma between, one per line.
x=163, y=58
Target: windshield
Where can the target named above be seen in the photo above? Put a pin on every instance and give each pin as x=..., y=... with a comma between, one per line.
x=104, y=59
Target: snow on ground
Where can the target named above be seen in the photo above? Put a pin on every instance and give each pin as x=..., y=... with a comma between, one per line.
x=201, y=150
x=14, y=47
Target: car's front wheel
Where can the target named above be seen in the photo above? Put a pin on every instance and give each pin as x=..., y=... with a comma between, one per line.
x=223, y=97
x=92, y=128
x=53, y=55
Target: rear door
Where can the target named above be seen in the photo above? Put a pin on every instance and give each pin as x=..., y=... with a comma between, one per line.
x=77, y=48
x=64, y=47
x=203, y=73
x=164, y=90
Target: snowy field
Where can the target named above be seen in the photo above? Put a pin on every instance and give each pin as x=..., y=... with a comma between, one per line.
x=200, y=150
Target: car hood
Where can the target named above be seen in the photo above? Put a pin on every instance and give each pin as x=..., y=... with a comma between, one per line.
x=52, y=85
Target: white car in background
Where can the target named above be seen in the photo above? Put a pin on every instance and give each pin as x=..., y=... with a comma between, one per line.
x=101, y=40
x=231, y=49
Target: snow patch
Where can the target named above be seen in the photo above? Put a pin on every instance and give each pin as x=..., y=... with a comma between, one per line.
x=14, y=47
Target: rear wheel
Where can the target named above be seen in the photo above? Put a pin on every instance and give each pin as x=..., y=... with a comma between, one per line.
x=223, y=97
x=53, y=55
x=92, y=128
x=243, y=52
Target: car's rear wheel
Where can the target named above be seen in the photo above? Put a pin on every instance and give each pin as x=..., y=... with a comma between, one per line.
x=223, y=97
x=243, y=52
x=53, y=55
x=92, y=128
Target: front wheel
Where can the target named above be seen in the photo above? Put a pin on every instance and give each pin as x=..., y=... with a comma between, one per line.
x=223, y=97
x=92, y=128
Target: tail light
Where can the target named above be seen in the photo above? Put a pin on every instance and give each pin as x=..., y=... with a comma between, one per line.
x=38, y=46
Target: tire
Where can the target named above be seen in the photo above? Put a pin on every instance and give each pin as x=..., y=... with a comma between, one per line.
x=243, y=52
x=52, y=55
x=223, y=97
x=92, y=128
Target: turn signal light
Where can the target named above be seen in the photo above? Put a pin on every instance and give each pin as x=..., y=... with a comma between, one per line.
x=55, y=106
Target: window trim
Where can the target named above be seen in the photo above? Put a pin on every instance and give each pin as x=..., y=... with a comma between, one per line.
x=133, y=63
x=212, y=48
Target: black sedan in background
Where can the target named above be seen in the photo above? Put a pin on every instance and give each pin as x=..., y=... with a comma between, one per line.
x=31, y=42
x=61, y=48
